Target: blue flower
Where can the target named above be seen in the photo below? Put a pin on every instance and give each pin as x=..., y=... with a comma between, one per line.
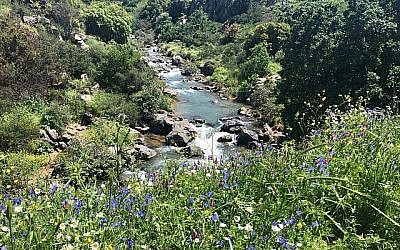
x=290, y=222
x=314, y=224
x=132, y=199
x=190, y=210
x=103, y=221
x=31, y=192
x=209, y=194
x=124, y=191
x=220, y=243
x=130, y=243
x=17, y=201
x=141, y=213
x=148, y=197
x=251, y=248
x=215, y=217
x=24, y=233
x=283, y=241
x=191, y=200
x=299, y=213
x=53, y=189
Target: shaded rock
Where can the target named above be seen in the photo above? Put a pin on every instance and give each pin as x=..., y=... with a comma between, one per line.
x=246, y=138
x=208, y=68
x=66, y=137
x=232, y=126
x=188, y=72
x=162, y=124
x=192, y=151
x=225, y=138
x=62, y=145
x=179, y=138
x=196, y=88
x=87, y=119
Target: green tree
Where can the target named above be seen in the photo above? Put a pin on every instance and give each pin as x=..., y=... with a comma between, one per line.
x=121, y=69
x=108, y=21
x=274, y=34
x=165, y=27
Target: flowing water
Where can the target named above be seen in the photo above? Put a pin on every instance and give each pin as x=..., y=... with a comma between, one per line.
x=192, y=104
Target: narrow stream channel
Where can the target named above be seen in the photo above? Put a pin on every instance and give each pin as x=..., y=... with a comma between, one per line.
x=193, y=104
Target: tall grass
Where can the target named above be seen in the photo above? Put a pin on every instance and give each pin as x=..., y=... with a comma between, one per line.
x=339, y=191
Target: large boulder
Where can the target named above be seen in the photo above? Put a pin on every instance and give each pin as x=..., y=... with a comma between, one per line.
x=246, y=138
x=141, y=152
x=232, y=126
x=162, y=125
x=182, y=133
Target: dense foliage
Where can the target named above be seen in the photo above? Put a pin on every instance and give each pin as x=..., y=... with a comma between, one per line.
x=108, y=21
x=332, y=194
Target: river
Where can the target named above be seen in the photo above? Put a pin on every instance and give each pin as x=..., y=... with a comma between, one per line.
x=193, y=104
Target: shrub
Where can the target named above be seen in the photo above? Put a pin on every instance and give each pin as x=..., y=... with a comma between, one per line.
x=29, y=65
x=113, y=105
x=16, y=169
x=94, y=153
x=108, y=21
x=56, y=116
x=17, y=129
x=121, y=69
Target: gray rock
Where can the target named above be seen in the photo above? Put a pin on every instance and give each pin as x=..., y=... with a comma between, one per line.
x=246, y=137
x=192, y=151
x=52, y=134
x=178, y=138
x=225, y=138
x=232, y=126
x=182, y=133
x=62, y=145
x=142, y=152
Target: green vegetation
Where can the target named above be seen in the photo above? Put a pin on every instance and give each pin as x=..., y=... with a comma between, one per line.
x=108, y=21
x=333, y=193
x=74, y=84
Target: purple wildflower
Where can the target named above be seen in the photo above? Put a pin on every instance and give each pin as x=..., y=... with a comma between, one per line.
x=53, y=189
x=141, y=213
x=299, y=213
x=130, y=243
x=251, y=248
x=191, y=200
x=103, y=221
x=17, y=201
x=215, y=217
x=314, y=224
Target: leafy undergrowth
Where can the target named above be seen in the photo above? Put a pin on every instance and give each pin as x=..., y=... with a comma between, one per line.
x=340, y=192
